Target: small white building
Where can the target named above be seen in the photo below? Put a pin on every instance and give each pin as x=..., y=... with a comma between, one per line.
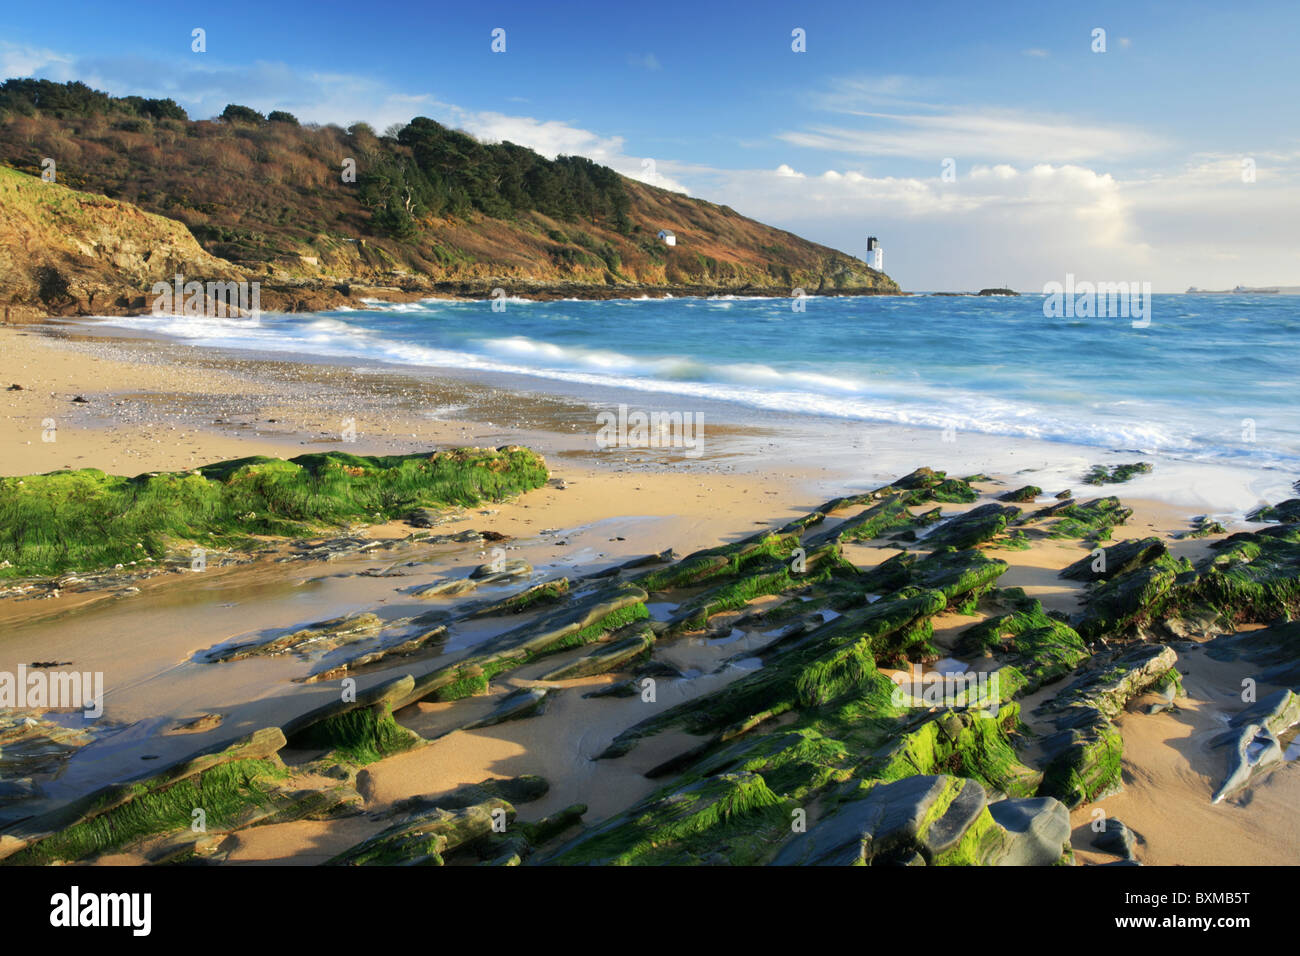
x=875, y=254
x=668, y=236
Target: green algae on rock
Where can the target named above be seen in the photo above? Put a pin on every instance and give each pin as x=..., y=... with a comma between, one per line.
x=86, y=519
x=1115, y=474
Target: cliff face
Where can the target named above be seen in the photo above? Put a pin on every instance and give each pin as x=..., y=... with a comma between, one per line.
x=64, y=251
x=429, y=211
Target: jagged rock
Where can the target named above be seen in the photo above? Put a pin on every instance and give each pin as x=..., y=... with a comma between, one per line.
x=579, y=621
x=609, y=657
x=1027, y=493
x=1092, y=520
x=1116, y=560
x=497, y=571
x=428, y=838
x=1101, y=475
x=1040, y=647
x=973, y=527
x=1255, y=738
x=1116, y=838
x=447, y=587
x=1038, y=830
x=1287, y=512
x=1083, y=756
x=1130, y=598
x=684, y=825
x=944, y=820
x=525, y=702
x=315, y=640
x=115, y=814
x=1111, y=680
x=514, y=790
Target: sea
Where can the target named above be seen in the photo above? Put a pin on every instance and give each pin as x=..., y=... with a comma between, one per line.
x=1205, y=377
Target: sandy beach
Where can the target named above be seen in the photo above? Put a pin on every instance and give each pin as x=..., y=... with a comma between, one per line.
x=161, y=406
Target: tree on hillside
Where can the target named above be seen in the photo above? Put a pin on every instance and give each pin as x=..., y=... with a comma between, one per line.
x=234, y=113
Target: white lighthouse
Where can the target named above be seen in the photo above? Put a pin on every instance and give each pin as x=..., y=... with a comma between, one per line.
x=875, y=254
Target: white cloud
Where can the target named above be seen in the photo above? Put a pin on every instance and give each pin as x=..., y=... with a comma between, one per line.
x=1028, y=224
x=984, y=134
x=24, y=61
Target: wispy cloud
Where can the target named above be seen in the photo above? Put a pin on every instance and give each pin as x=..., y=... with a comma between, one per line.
x=976, y=134
x=644, y=61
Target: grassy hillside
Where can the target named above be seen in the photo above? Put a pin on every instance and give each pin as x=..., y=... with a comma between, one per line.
x=430, y=208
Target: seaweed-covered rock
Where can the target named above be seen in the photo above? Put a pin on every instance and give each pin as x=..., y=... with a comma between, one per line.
x=361, y=730
x=1131, y=598
x=1116, y=474
x=1116, y=560
x=686, y=825
x=1111, y=680
x=235, y=784
x=943, y=820
x=1023, y=494
x=887, y=514
x=428, y=837
x=771, y=576
x=1083, y=756
x=970, y=742
x=579, y=621
x=1092, y=520
x=830, y=662
x=525, y=702
x=616, y=655
x=695, y=569
x=1253, y=576
x=1083, y=759
x=958, y=575
x=972, y=527
x=1287, y=512
x=1039, y=646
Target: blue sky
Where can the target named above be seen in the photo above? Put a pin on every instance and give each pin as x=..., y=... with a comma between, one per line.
x=1125, y=164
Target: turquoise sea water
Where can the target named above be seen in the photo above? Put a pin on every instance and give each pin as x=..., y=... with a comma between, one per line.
x=1212, y=377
